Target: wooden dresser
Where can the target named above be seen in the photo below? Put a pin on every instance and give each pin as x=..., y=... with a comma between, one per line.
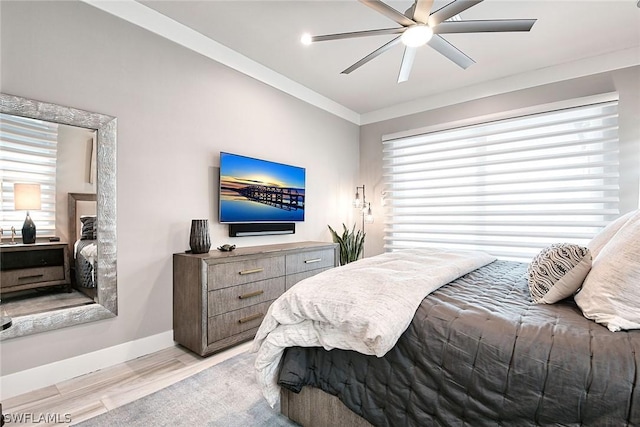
x=220, y=298
x=32, y=266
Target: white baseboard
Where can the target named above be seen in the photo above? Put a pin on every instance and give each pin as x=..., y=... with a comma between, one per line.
x=42, y=376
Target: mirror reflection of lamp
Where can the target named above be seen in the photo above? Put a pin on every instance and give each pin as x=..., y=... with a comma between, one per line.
x=26, y=198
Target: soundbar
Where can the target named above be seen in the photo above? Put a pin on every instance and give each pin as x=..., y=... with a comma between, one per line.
x=259, y=229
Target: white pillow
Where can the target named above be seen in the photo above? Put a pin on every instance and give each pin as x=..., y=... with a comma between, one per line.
x=610, y=293
x=557, y=272
x=602, y=238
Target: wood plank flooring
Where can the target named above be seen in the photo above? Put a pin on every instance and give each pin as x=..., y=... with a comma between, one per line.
x=95, y=393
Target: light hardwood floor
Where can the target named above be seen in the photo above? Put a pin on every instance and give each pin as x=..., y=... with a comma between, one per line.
x=95, y=393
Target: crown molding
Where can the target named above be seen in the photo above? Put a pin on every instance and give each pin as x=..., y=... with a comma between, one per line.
x=151, y=20
x=570, y=70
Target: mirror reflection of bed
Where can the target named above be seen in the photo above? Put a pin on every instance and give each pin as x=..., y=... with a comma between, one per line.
x=83, y=248
x=82, y=259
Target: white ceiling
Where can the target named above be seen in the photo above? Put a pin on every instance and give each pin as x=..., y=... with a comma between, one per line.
x=268, y=32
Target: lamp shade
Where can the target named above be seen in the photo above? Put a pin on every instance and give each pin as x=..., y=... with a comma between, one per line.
x=26, y=196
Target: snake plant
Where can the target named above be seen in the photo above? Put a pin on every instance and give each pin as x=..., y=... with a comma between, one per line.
x=351, y=243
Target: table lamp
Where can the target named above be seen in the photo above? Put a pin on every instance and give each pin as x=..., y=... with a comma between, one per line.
x=27, y=197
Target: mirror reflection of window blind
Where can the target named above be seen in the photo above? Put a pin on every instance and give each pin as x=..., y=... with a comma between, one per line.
x=509, y=187
x=28, y=150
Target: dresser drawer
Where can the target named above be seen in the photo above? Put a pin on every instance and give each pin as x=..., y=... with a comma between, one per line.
x=234, y=322
x=27, y=276
x=237, y=273
x=292, y=279
x=241, y=296
x=309, y=260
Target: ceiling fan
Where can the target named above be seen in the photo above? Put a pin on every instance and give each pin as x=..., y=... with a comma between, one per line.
x=419, y=26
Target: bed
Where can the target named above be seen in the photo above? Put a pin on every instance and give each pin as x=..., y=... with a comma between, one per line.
x=83, y=239
x=477, y=351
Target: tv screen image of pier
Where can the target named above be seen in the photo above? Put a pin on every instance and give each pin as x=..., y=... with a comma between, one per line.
x=255, y=190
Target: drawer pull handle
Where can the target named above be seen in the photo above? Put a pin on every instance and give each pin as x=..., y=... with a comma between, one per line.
x=35, y=276
x=255, y=270
x=251, y=294
x=311, y=261
x=250, y=318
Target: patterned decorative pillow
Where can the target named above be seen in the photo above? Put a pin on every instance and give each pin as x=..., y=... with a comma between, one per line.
x=89, y=228
x=557, y=272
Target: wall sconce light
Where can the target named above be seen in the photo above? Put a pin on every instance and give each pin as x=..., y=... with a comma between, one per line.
x=357, y=201
x=361, y=203
x=368, y=216
x=27, y=197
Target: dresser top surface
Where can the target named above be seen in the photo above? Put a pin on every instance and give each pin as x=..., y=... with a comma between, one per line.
x=261, y=249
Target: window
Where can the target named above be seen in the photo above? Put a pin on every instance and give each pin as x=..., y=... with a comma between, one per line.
x=509, y=187
x=28, y=155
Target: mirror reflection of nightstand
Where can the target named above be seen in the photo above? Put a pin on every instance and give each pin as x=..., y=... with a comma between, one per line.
x=33, y=266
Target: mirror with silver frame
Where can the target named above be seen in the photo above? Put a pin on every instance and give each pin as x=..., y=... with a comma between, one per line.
x=106, y=299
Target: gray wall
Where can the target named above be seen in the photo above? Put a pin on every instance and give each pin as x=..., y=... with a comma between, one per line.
x=176, y=111
x=625, y=81
x=73, y=171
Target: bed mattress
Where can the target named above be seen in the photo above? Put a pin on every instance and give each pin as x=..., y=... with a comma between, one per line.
x=479, y=352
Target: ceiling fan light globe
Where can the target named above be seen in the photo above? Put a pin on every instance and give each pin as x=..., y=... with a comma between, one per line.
x=416, y=35
x=306, y=39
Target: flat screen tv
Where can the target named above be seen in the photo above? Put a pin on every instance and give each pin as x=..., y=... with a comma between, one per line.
x=259, y=191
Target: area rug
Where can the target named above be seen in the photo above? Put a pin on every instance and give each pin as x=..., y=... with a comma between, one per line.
x=226, y=394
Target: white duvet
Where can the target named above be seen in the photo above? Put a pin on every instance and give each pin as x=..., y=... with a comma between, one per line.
x=364, y=306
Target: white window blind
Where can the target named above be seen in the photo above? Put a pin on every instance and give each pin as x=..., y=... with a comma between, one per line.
x=28, y=150
x=509, y=187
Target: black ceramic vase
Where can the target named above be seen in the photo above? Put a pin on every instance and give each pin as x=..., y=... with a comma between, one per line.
x=199, y=240
x=28, y=231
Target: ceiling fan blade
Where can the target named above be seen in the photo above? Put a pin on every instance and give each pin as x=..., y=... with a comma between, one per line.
x=488, y=26
x=450, y=51
x=422, y=11
x=358, y=34
x=372, y=55
x=388, y=11
x=407, y=63
x=452, y=9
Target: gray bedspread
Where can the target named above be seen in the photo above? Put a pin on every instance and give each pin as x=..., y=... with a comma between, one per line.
x=479, y=352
